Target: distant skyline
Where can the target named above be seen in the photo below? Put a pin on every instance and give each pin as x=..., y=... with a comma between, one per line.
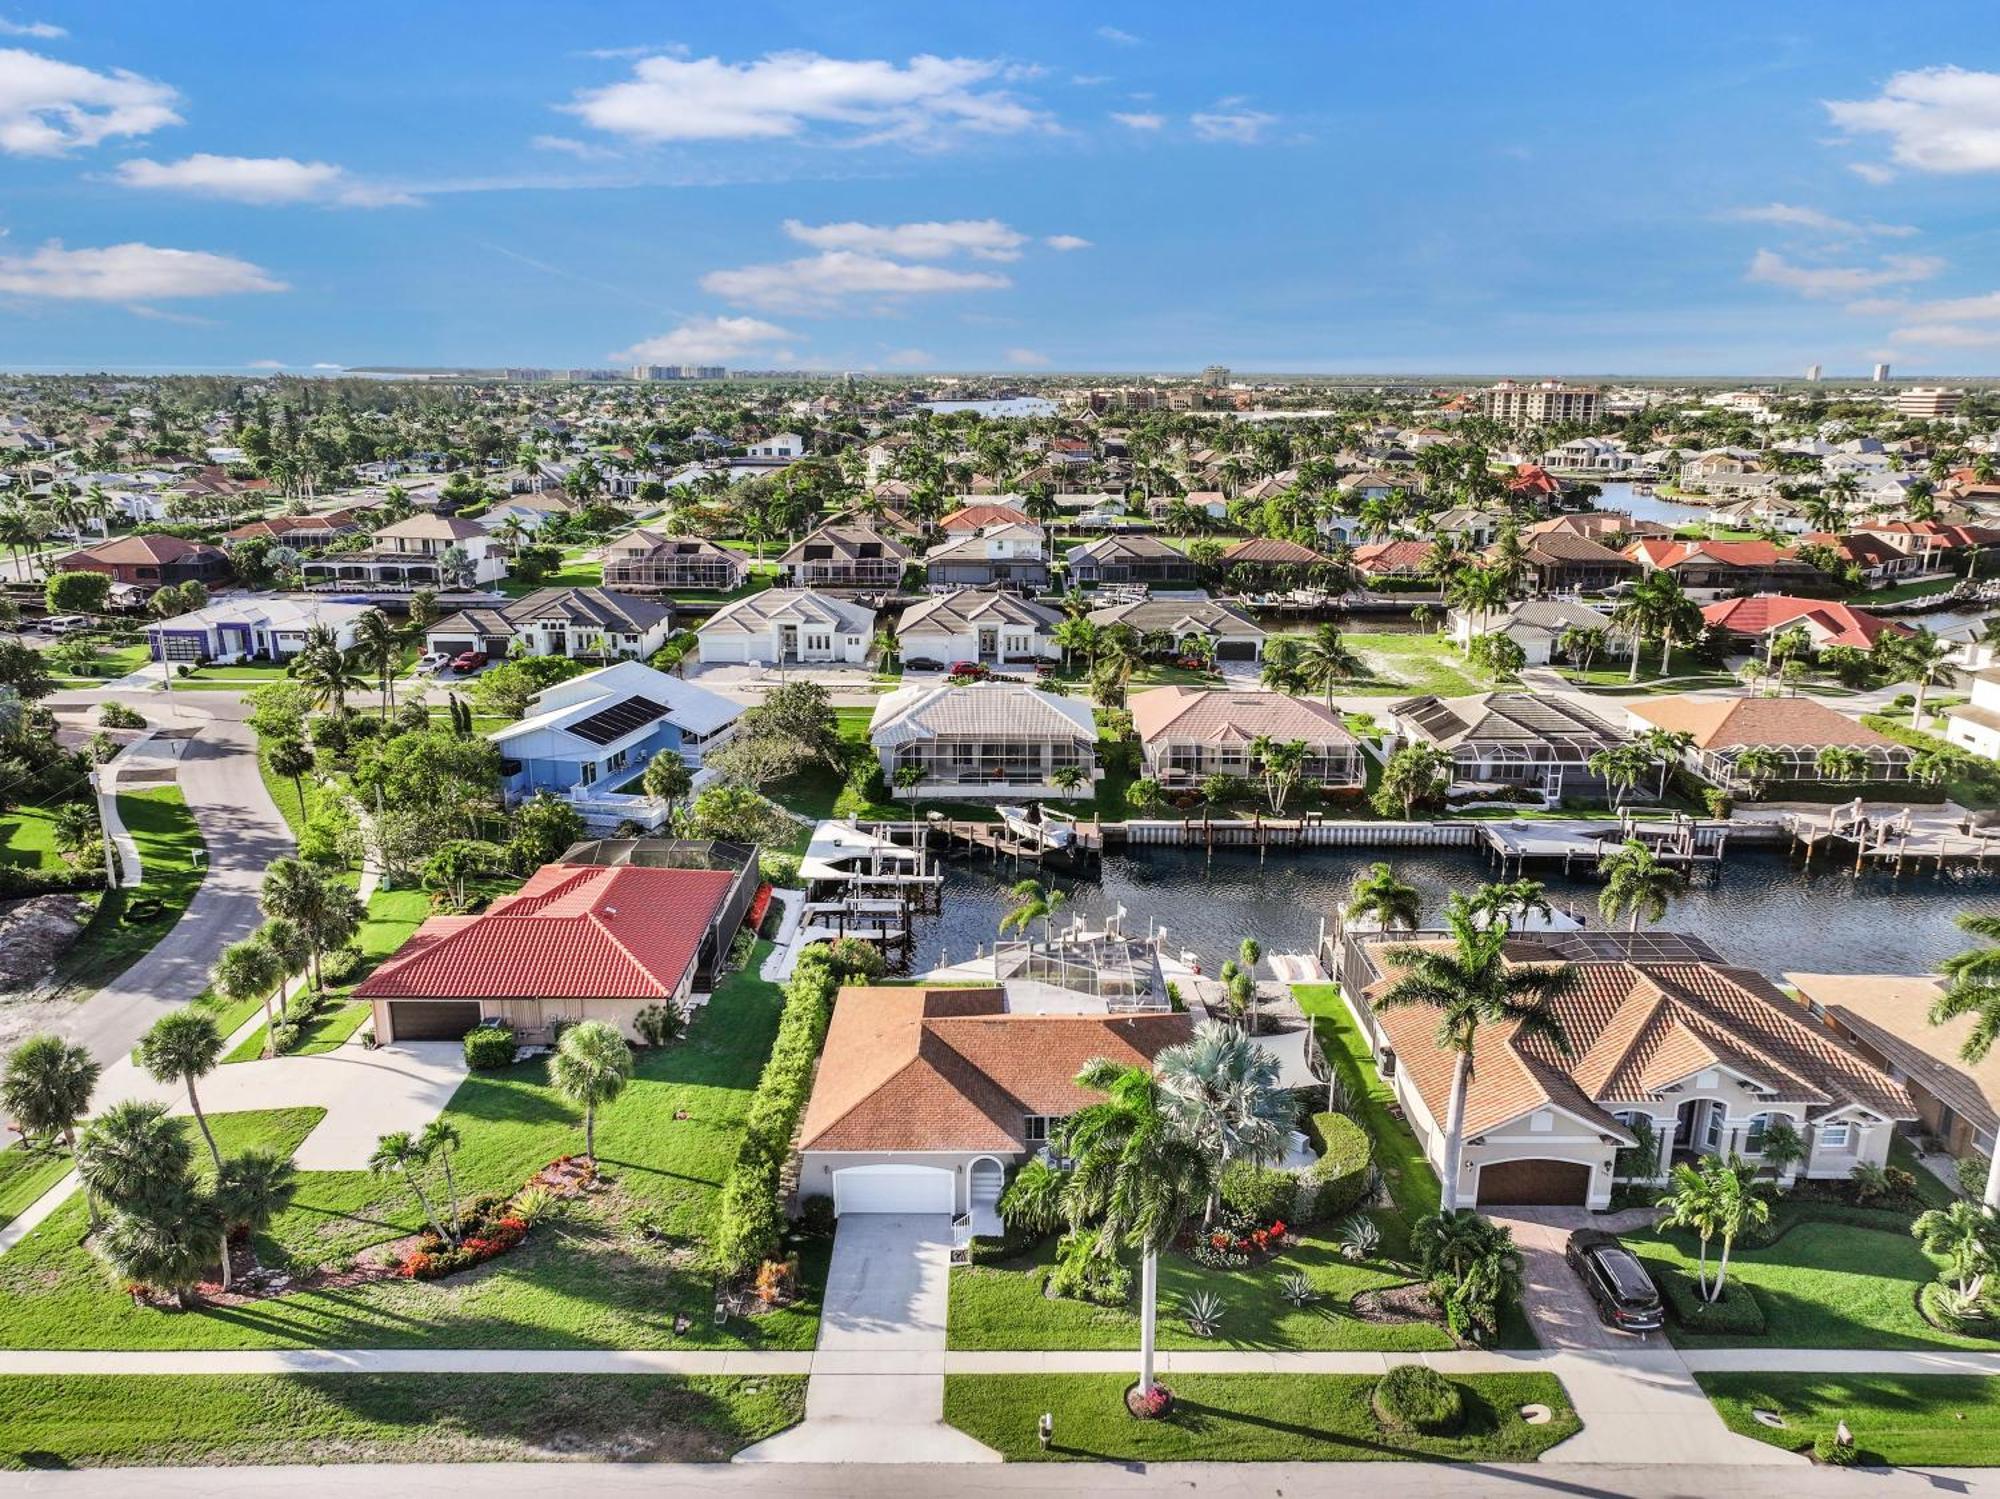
x=1562, y=188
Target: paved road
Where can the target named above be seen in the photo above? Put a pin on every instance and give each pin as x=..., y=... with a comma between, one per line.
x=244, y=834
x=928, y=1481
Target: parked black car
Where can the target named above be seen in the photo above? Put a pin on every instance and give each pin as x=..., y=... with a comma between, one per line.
x=1625, y=1295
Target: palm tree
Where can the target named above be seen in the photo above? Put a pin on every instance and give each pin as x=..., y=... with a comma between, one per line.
x=666, y=781
x=1222, y=1088
x=1972, y=988
x=377, y=644
x=167, y=1244
x=1508, y=903
x=1620, y=767
x=1076, y=636
x=250, y=970
x=250, y=1190
x=1471, y=984
x=1965, y=1236
x=128, y=1153
x=326, y=913
x=1636, y=885
x=1841, y=762
x=1923, y=658
x=439, y=1141
x=1758, y=766
x=323, y=668
x=1139, y=1176
x=1582, y=644
x=590, y=1068
x=1033, y=1200
x=1736, y=1204
x=1324, y=661
x=1378, y=895
x=182, y=1046
x=1033, y=901
x=1478, y=591
x=47, y=1088
x=1066, y=779
x=1667, y=748
x=396, y=1154
x=1692, y=1205
x=291, y=759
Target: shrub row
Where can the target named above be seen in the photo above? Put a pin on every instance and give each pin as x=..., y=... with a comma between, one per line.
x=1339, y=1178
x=18, y=884
x=1738, y=1313
x=749, y=1227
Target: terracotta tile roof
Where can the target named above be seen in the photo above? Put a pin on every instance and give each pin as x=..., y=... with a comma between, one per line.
x=1271, y=551
x=1663, y=553
x=1561, y=547
x=1392, y=556
x=979, y=517
x=1738, y=722
x=1843, y=624
x=949, y=1069
x=148, y=548
x=1212, y=716
x=571, y=932
x=1635, y=1028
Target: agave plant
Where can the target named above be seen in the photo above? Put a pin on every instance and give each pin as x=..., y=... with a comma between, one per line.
x=1204, y=1313
x=1297, y=1288
x=1359, y=1237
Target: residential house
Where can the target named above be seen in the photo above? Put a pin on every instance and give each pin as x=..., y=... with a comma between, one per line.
x=971, y=519
x=1212, y=503
x=302, y=533
x=1597, y=525
x=787, y=626
x=1131, y=559
x=1234, y=636
x=1010, y=555
x=580, y=623
x=1877, y=560
x=1468, y=524
x=1797, y=728
x=1975, y=724
x=1728, y=471
x=1672, y=1056
x=1752, y=622
x=845, y=557
x=149, y=562
x=1533, y=483
x=1272, y=562
x=1393, y=559
x=785, y=447
x=990, y=626
x=925, y=1098
x=576, y=942
x=1187, y=734
x=1536, y=625
x=1727, y=566
x=1590, y=455
x=413, y=554
x=1886, y=1017
x=646, y=561
x=250, y=628
x=986, y=741
x=591, y=737
x=1511, y=741
x=1560, y=563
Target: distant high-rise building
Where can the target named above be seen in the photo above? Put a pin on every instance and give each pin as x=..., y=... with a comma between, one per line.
x=524, y=374
x=1927, y=401
x=1215, y=376
x=1881, y=373
x=1520, y=404
x=591, y=377
x=1812, y=374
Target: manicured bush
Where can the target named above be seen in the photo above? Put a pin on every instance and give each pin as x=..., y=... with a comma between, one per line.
x=1082, y=1274
x=781, y=870
x=1738, y=1313
x=1339, y=1178
x=1415, y=1397
x=816, y=1216
x=340, y=965
x=1258, y=1192
x=488, y=1047
x=118, y=716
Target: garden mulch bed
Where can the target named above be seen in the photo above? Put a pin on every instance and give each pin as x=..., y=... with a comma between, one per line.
x=1398, y=1304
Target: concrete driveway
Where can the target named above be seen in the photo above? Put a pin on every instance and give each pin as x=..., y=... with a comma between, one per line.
x=889, y=1285
x=1560, y=1309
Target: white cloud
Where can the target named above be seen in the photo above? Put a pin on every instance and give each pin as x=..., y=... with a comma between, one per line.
x=1140, y=121
x=785, y=94
x=1936, y=119
x=1869, y=171
x=323, y=365
x=1840, y=281
x=1237, y=127
x=265, y=364
x=983, y=239
x=1116, y=37
x=1089, y=80
x=1946, y=336
x=1793, y=216
x=1026, y=357
x=908, y=359
x=48, y=107
x=821, y=282
x=1981, y=308
x=129, y=273
x=568, y=146
x=258, y=179
x=707, y=340
x=41, y=30
x=1066, y=242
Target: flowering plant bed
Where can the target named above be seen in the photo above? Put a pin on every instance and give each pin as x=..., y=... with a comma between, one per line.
x=486, y=1231
x=1231, y=1244
x=760, y=907
x=1159, y=1401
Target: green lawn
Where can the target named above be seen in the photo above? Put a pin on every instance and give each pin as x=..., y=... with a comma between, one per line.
x=25, y=1175
x=1875, y=596
x=1898, y=1420
x=576, y=572
x=592, y=1279
x=1403, y=665
x=112, y=661
x=1827, y=1282
x=28, y=839
x=1247, y=1418
x=96, y=1421
x=168, y=840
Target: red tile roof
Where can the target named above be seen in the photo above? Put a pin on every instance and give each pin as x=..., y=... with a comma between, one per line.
x=1768, y=611
x=571, y=932
x=147, y=548
x=1728, y=553
x=1392, y=556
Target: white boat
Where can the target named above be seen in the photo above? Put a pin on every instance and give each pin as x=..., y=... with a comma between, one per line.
x=1031, y=824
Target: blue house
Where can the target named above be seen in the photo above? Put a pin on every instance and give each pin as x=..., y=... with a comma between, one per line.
x=590, y=738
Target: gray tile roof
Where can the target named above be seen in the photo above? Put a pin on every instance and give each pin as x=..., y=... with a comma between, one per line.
x=913, y=714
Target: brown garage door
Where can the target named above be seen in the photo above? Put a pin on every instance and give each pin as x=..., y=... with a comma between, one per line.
x=1534, y=1184
x=1236, y=650
x=432, y=1019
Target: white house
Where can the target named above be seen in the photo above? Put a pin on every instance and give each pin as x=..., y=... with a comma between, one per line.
x=241, y=629
x=573, y=622
x=1975, y=725
x=997, y=628
x=784, y=447
x=990, y=741
x=413, y=554
x=787, y=626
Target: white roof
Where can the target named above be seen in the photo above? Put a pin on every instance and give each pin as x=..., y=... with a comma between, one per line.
x=267, y=613
x=912, y=714
x=756, y=614
x=693, y=709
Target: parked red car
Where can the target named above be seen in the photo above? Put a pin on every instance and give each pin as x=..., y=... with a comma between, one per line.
x=973, y=669
x=468, y=661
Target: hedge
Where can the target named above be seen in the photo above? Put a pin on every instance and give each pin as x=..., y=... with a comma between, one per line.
x=1260, y=1193
x=748, y=1228
x=1339, y=1178
x=1738, y=1313
x=18, y=884
x=488, y=1047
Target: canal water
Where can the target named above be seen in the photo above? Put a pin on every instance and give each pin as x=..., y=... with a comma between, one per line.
x=1763, y=911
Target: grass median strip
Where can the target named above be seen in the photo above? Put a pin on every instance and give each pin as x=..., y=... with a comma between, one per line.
x=92, y=1421
x=1248, y=1418
x=1952, y=1420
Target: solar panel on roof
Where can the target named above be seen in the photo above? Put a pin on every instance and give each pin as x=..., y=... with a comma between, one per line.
x=618, y=720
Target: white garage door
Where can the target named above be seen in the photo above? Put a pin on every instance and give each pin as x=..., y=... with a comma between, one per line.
x=892, y=1189
x=721, y=648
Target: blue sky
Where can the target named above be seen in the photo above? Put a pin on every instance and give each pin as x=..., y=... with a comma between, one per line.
x=1537, y=188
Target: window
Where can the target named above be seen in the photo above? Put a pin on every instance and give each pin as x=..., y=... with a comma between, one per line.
x=1753, y=1137
x=1036, y=1128
x=589, y=773
x=1837, y=1136
x=618, y=761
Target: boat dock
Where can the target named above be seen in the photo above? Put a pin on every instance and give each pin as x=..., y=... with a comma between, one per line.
x=1890, y=840
x=1684, y=842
